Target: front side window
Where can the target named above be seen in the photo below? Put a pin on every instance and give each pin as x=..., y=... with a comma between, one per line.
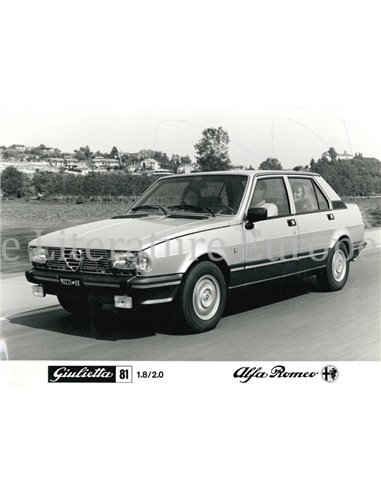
x=271, y=194
x=304, y=195
x=216, y=194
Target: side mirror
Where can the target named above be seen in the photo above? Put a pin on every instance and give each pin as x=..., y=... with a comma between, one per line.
x=255, y=214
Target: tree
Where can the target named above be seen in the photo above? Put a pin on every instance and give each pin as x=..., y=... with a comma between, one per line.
x=160, y=157
x=301, y=168
x=271, y=164
x=212, y=150
x=185, y=160
x=8, y=154
x=174, y=163
x=36, y=152
x=332, y=153
x=83, y=154
x=114, y=154
x=13, y=182
x=358, y=176
x=145, y=154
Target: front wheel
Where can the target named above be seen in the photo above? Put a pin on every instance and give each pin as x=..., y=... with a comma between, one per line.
x=335, y=276
x=202, y=297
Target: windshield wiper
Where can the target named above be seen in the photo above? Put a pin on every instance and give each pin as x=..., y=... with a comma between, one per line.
x=147, y=207
x=192, y=208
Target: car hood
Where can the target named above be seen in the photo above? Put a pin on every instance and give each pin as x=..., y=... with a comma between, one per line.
x=128, y=233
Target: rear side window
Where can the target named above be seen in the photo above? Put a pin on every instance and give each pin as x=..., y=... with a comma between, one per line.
x=304, y=195
x=322, y=201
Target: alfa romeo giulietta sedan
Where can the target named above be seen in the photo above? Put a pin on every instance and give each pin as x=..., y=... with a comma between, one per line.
x=191, y=239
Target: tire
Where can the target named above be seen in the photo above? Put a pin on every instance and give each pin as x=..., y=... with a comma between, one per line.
x=335, y=276
x=202, y=297
x=78, y=307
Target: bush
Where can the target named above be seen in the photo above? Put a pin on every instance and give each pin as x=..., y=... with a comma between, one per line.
x=14, y=183
x=113, y=184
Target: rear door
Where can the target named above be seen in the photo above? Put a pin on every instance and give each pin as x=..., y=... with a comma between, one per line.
x=316, y=221
x=271, y=247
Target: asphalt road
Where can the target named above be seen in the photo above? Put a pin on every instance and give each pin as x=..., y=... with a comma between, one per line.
x=291, y=320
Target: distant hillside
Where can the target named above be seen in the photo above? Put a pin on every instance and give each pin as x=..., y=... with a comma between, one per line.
x=359, y=176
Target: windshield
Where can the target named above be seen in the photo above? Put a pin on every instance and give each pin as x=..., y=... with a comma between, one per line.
x=208, y=194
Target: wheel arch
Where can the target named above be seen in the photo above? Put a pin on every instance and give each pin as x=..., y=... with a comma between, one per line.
x=217, y=260
x=342, y=237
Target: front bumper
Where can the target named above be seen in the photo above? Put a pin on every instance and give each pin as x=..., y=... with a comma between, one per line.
x=103, y=288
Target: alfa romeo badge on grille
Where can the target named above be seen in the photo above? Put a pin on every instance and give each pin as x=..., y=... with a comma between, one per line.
x=73, y=258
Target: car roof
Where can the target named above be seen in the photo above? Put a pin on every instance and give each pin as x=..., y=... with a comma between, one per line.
x=259, y=172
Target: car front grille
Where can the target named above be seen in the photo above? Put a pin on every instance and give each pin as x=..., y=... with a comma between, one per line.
x=97, y=261
x=78, y=260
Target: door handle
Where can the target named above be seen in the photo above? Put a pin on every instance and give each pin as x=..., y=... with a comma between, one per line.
x=330, y=216
x=291, y=222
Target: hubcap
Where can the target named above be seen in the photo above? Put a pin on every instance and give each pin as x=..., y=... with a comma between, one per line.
x=206, y=297
x=339, y=265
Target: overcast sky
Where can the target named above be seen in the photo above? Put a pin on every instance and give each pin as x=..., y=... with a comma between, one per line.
x=285, y=79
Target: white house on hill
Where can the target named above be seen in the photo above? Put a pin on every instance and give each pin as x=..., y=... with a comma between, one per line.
x=343, y=157
x=150, y=164
x=104, y=162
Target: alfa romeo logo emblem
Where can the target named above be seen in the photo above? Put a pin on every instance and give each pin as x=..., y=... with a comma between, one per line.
x=73, y=258
x=329, y=374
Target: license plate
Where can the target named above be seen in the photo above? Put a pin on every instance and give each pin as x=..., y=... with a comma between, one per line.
x=70, y=282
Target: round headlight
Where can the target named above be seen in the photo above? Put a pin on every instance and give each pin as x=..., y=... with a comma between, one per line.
x=144, y=263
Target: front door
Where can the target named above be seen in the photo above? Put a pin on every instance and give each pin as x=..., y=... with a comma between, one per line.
x=271, y=246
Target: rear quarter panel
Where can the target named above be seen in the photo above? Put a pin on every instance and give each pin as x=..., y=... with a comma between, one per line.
x=350, y=223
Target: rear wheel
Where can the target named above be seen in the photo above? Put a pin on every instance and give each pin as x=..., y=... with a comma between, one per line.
x=335, y=276
x=202, y=297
